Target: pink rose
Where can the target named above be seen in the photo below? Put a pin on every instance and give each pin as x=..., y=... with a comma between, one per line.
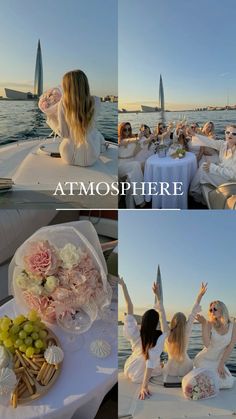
x=41, y=260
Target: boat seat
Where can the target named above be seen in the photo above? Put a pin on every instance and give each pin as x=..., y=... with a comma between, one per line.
x=222, y=197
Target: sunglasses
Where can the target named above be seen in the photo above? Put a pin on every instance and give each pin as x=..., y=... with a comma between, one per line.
x=213, y=310
x=127, y=129
x=229, y=132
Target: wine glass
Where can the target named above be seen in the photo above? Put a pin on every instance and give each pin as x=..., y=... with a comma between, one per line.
x=74, y=322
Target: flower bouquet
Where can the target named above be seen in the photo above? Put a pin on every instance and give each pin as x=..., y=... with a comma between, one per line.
x=49, y=100
x=200, y=383
x=57, y=270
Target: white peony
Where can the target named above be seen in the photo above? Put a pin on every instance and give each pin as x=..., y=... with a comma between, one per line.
x=36, y=289
x=51, y=283
x=70, y=256
x=22, y=280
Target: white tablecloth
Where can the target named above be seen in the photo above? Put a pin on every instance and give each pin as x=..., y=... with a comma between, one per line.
x=82, y=384
x=167, y=169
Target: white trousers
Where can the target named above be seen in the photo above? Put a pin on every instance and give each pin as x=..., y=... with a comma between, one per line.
x=201, y=177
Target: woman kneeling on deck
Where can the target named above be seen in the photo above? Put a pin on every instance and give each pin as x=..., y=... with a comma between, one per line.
x=146, y=343
x=219, y=338
x=177, y=336
x=75, y=121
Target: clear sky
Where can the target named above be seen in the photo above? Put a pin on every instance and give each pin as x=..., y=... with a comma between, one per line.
x=191, y=43
x=73, y=33
x=190, y=246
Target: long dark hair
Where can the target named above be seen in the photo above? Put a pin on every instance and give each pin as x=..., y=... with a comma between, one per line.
x=148, y=332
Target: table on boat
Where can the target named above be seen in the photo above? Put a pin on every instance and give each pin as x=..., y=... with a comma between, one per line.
x=82, y=383
x=169, y=170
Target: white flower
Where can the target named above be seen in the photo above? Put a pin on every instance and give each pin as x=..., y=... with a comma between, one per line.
x=36, y=289
x=22, y=280
x=51, y=283
x=70, y=256
x=195, y=397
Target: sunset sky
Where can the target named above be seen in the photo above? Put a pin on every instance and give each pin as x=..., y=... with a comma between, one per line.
x=190, y=246
x=191, y=43
x=74, y=34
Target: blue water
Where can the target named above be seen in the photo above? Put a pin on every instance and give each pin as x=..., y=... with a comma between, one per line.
x=23, y=120
x=220, y=119
x=195, y=345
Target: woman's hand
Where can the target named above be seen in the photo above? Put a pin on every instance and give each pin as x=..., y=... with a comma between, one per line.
x=221, y=370
x=144, y=393
x=121, y=281
x=200, y=319
x=156, y=290
x=202, y=291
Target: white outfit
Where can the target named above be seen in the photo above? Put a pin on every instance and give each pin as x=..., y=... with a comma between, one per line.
x=127, y=166
x=210, y=357
x=146, y=151
x=219, y=173
x=173, y=367
x=136, y=364
x=77, y=154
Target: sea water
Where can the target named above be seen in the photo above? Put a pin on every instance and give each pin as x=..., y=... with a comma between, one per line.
x=21, y=120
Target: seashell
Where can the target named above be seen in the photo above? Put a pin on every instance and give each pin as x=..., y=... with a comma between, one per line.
x=7, y=381
x=54, y=355
x=100, y=348
x=4, y=357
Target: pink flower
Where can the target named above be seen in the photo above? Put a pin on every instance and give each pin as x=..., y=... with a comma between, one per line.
x=41, y=260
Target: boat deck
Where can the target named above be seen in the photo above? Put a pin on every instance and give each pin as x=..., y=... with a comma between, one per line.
x=169, y=403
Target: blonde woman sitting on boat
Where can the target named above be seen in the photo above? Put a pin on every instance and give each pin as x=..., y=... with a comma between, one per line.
x=127, y=165
x=177, y=336
x=215, y=173
x=146, y=344
x=219, y=339
x=77, y=111
x=207, y=153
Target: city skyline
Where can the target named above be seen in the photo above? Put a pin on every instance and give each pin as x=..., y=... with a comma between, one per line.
x=189, y=43
x=89, y=43
x=190, y=247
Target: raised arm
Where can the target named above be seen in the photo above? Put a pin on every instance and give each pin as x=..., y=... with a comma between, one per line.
x=196, y=308
x=206, y=329
x=160, y=308
x=226, y=354
x=129, y=304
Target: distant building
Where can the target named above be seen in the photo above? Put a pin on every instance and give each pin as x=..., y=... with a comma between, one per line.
x=38, y=81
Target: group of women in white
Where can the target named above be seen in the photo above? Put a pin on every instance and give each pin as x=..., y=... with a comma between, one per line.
x=148, y=342
x=216, y=158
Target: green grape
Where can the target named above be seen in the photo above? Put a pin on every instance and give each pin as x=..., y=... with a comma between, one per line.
x=19, y=319
x=30, y=351
x=8, y=343
x=22, y=348
x=22, y=334
x=38, y=344
x=5, y=326
x=33, y=316
x=18, y=343
x=4, y=335
x=37, y=351
x=14, y=329
x=28, y=327
x=36, y=328
x=35, y=335
x=42, y=334
x=28, y=341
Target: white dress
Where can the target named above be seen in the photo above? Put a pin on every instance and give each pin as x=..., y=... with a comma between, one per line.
x=210, y=357
x=173, y=367
x=127, y=166
x=82, y=154
x=146, y=151
x=136, y=364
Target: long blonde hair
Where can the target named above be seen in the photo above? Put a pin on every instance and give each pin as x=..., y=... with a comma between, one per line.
x=225, y=319
x=78, y=104
x=177, y=336
x=205, y=128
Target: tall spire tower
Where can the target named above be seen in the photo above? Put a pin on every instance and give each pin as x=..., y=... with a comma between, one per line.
x=159, y=284
x=38, y=78
x=162, y=100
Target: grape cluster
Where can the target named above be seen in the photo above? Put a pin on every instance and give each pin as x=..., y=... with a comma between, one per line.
x=27, y=334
